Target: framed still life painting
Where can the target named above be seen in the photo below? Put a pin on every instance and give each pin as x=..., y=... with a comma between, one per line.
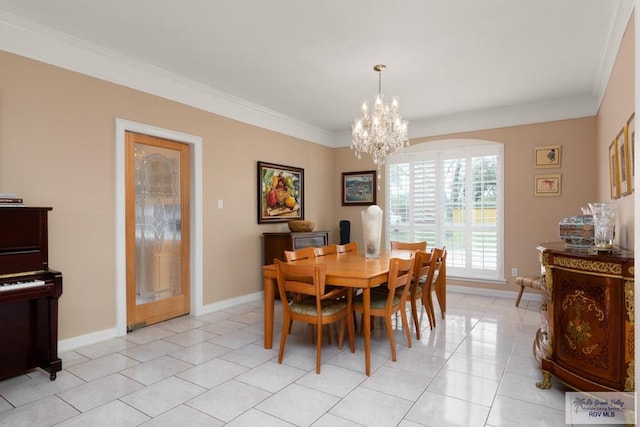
x=280, y=193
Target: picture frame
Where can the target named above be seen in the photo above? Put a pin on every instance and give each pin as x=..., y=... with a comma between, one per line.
x=623, y=163
x=614, y=175
x=630, y=147
x=280, y=193
x=359, y=188
x=547, y=156
x=548, y=185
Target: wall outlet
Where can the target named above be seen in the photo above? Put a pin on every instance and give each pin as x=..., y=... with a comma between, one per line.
x=220, y=204
x=514, y=272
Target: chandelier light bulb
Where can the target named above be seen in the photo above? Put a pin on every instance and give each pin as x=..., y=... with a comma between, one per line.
x=380, y=132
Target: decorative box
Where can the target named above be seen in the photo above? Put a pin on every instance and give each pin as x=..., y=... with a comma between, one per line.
x=577, y=231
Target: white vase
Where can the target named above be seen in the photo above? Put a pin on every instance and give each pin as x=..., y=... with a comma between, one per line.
x=372, y=231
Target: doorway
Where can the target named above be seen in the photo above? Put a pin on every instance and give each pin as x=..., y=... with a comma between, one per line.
x=157, y=210
x=195, y=143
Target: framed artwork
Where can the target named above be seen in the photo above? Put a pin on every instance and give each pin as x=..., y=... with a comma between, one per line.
x=359, y=188
x=614, y=174
x=280, y=193
x=631, y=149
x=623, y=162
x=548, y=185
x=547, y=156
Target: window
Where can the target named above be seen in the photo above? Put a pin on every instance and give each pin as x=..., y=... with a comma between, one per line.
x=450, y=193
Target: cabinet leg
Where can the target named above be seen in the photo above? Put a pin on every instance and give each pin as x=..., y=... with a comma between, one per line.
x=546, y=381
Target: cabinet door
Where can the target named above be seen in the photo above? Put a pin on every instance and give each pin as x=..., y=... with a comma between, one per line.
x=588, y=326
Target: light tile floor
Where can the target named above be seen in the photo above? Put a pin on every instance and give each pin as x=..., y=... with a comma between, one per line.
x=474, y=369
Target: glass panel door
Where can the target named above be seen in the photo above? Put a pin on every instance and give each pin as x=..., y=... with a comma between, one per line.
x=157, y=229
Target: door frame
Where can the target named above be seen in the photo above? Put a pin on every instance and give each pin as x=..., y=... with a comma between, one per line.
x=196, y=232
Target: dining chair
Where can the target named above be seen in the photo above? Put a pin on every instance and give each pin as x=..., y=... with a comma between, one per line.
x=385, y=304
x=317, y=306
x=325, y=250
x=300, y=254
x=411, y=246
x=347, y=247
x=438, y=257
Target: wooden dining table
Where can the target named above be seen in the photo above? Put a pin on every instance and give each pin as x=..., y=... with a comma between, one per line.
x=352, y=270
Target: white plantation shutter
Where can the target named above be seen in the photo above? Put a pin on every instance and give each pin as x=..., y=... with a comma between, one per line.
x=452, y=198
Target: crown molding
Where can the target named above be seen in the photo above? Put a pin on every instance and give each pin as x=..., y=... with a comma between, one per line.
x=31, y=40
x=34, y=41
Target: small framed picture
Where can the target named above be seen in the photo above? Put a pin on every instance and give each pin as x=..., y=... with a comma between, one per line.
x=359, y=188
x=623, y=162
x=631, y=149
x=280, y=193
x=547, y=156
x=548, y=185
x=614, y=173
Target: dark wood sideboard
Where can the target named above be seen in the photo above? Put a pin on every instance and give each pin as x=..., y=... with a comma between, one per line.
x=587, y=335
x=274, y=244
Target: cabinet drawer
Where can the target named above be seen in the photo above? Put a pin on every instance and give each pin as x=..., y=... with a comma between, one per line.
x=306, y=241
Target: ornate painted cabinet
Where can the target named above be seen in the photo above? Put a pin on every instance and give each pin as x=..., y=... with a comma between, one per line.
x=587, y=334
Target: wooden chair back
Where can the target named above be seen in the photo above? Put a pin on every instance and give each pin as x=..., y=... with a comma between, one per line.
x=304, y=253
x=305, y=279
x=420, y=272
x=400, y=273
x=411, y=246
x=347, y=247
x=438, y=255
x=325, y=250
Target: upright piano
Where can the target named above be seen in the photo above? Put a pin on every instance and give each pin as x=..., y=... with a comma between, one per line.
x=29, y=293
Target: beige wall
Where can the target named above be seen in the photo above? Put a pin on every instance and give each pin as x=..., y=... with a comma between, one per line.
x=584, y=167
x=57, y=148
x=529, y=220
x=617, y=106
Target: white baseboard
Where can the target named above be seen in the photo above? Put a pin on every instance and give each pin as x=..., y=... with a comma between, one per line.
x=96, y=337
x=106, y=334
x=87, y=339
x=526, y=296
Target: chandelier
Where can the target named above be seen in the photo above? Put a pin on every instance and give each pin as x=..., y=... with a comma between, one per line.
x=381, y=130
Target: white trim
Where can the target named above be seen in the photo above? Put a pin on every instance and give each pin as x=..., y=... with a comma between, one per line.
x=32, y=40
x=196, y=284
x=87, y=339
x=35, y=41
x=221, y=305
x=106, y=334
x=526, y=296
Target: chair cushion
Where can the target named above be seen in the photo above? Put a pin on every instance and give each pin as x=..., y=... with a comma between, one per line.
x=378, y=300
x=307, y=306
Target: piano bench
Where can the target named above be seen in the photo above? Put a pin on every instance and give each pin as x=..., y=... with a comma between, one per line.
x=533, y=282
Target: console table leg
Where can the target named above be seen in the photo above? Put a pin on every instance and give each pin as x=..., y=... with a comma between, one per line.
x=546, y=381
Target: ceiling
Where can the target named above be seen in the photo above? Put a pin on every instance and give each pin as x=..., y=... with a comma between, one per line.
x=452, y=64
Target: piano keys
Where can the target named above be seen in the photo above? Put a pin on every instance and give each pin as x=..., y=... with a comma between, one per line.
x=29, y=293
x=4, y=287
